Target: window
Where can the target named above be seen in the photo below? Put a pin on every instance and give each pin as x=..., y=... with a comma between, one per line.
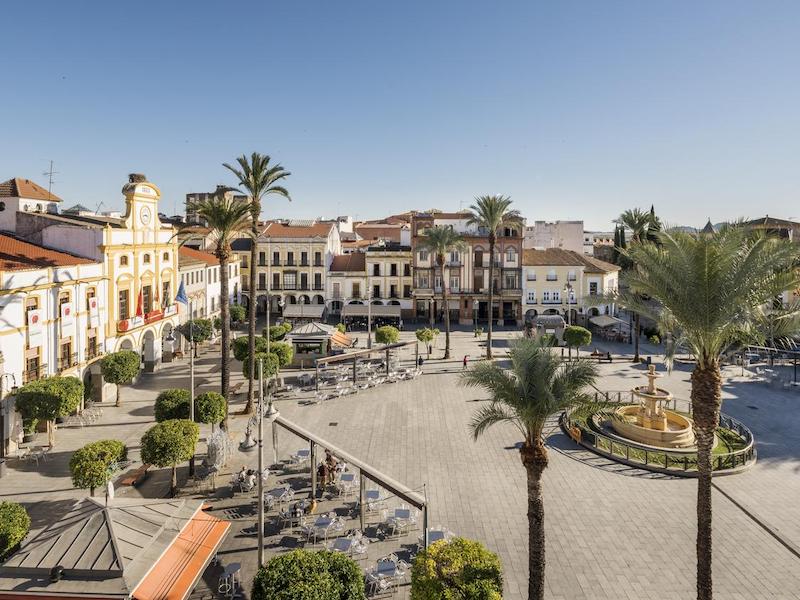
x=317, y=281
x=304, y=259
x=290, y=281
x=571, y=276
x=276, y=281
x=376, y=269
x=531, y=298
x=545, y=297
x=423, y=281
x=244, y=258
x=454, y=257
x=337, y=290
x=166, y=293
x=356, y=290
x=454, y=283
x=593, y=288
x=406, y=291
x=303, y=281
x=123, y=261
x=531, y=276
x=376, y=291
x=65, y=356
x=406, y=270
x=290, y=258
x=392, y=291
x=262, y=281
x=437, y=282
x=147, y=298
x=165, y=257
x=262, y=259
x=146, y=259
x=393, y=270
x=317, y=259
x=556, y=296
x=423, y=255
x=551, y=275
x=510, y=281
x=124, y=307
x=511, y=255
x=276, y=258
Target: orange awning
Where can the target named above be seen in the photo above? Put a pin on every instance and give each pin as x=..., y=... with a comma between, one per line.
x=178, y=570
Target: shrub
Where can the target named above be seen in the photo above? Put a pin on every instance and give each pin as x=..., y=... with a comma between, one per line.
x=275, y=333
x=14, y=526
x=168, y=443
x=238, y=313
x=217, y=323
x=284, y=352
x=471, y=571
x=655, y=340
x=240, y=346
x=271, y=364
x=49, y=398
x=89, y=466
x=120, y=368
x=341, y=327
x=576, y=336
x=548, y=339
x=424, y=335
x=387, y=334
x=306, y=575
x=210, y=407
x=172, y=404
x=199, y=329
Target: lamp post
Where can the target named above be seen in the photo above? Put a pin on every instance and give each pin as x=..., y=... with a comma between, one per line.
x=261, y=462
x=191, y=377
x=369, y=319
x=567, y=294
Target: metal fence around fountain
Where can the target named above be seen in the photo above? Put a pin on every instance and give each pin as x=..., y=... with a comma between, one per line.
x=658, y=460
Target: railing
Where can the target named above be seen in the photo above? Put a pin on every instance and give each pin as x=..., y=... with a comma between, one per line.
x=67, y=362
x=317, y=287
x=304, y=263
x=549, y=278
x=34, y=374
x=682, y=463
x=318, y=263
x=92, y=353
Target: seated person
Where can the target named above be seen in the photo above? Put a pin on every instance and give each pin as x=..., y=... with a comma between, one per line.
x=251, y=478
x=240, y=476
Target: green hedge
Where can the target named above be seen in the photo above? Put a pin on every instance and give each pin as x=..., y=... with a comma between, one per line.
x=471, y=571
x=387, y=334
x=210, y=407
x=14, y=526
x=172, y=404
x=306, y=575
x=89, y=466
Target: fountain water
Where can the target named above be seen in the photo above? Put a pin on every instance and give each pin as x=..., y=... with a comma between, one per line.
x=650, y=422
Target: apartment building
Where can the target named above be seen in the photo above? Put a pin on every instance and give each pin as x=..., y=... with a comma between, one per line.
x=466, y=273
x=559, y=282
x=200, y=274
x=556, y=234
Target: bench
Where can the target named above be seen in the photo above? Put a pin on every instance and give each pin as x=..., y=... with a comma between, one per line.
x=136, y=476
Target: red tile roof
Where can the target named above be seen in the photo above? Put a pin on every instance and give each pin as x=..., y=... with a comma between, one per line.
x=558, y=257
x=198, y=255
x=282, y=230
x=376, y=231
x=17, y=187
x=349, y=262
x=17, y=255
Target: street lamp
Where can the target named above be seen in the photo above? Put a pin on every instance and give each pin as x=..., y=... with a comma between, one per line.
x=369, y=319
x=567, y=294
x=271, y=415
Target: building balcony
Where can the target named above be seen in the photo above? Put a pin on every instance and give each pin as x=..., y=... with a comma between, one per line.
x=262, y=263
x=262, y=287
x=549, y=278
x=290, y=286
x=92, y=353
x=276, y=263
x=305, y=263
x=34, y=374
x=67, y=362
x=124, y=325
x=304, y=288
x=290, y=263
x=318, y=288
x=318, y=263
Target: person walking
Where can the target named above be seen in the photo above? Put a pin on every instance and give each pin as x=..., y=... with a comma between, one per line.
x=464, y=368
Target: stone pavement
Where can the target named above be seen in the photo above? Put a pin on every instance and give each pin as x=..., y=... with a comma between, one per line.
x=612, y=532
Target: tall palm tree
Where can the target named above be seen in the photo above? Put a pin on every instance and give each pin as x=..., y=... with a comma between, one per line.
x=538, y=384
x=492, y=213
x=712, y=291
x=439, y=241
x=226, y=219
x=644, y=228
x=257, y=179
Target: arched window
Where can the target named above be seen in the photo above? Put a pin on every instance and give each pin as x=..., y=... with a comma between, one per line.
x=123, y=261
x=165, y=256
x=146, y=259
x=511, y=255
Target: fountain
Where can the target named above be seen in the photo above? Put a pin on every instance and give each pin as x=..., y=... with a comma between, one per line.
x=649, y=422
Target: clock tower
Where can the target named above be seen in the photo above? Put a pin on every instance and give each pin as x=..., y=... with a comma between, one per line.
x=141, y=206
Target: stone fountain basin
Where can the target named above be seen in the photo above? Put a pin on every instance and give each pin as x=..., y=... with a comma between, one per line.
x=660, y=393
x=678, y=434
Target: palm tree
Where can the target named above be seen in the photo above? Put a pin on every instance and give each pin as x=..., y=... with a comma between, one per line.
x=712, y=291
x=492, y=213
x=439, y=241
x=258, y=179
x=538, y=384
x=644, y=228
x=226, y=219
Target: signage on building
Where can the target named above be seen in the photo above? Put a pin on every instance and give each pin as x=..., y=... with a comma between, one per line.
x=35, y=319
x=94, y=313
x=67, y=320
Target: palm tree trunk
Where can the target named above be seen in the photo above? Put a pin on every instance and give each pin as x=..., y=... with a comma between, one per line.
x=636, y=357
x=225, y=318
x=492, y=242
x=251, y=329
x=446, y=315
x=173, y=486
x=706, y=401
x=534, y=458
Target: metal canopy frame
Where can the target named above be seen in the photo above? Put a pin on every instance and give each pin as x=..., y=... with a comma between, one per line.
x=354, y=356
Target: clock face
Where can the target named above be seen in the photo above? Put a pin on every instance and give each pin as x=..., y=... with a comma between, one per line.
x=144, y=215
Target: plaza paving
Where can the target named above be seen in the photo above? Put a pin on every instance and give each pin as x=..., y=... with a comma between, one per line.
x=612, y=532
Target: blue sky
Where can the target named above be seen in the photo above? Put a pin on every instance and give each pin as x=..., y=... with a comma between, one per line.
x=575, y=109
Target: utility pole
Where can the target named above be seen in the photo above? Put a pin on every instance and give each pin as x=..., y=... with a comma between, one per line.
x=260, y=496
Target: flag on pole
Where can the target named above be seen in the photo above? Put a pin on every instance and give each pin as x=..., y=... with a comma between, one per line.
x=139, y=303
x=181, y=297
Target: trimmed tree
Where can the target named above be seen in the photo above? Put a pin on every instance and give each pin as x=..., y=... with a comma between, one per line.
x=241, y=346
x=271, y=364
x=576, y=336
x=387, y=334
x=172, y=404
x=14, y=526
x=307, y=575
x=341, y=327
x=284, y=352
x=238, y=314
x=197, y=330
x=276, y=333
x=457, y=568
x=210, y=408
x=168, y=443
x=90, y=466
x=120, y=368
x=48, y=399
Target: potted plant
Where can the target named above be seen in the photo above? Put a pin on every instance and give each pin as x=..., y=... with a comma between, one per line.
x=29, y=429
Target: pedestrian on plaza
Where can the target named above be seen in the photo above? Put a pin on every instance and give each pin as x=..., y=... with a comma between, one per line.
x=241, y=475
x=419, y=361
x=430, y=349
x=464, y=368
x=322, y=475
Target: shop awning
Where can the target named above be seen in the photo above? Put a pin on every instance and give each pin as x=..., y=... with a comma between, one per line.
x=376, y=310
x=603, y=321
x=303, y=311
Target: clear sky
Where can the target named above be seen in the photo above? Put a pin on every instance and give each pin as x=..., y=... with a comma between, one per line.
x=577, y=110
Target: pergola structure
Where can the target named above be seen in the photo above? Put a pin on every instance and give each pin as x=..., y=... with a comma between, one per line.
x=354, y=356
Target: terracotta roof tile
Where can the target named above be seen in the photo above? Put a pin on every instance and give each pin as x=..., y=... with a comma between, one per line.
x=281, y=230
x=18, y=255
x=197, y=255
x=349, y=262
x=558, y=257
x=17, y=187
x=379, y=232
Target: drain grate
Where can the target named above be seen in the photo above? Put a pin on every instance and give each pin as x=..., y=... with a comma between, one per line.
x=333, y=424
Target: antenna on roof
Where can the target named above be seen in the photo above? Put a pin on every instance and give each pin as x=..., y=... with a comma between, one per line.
x=49, y=173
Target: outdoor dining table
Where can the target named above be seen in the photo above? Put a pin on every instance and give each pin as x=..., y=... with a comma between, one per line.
x=386, y=568
x=434, y=535
x=343, y=544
